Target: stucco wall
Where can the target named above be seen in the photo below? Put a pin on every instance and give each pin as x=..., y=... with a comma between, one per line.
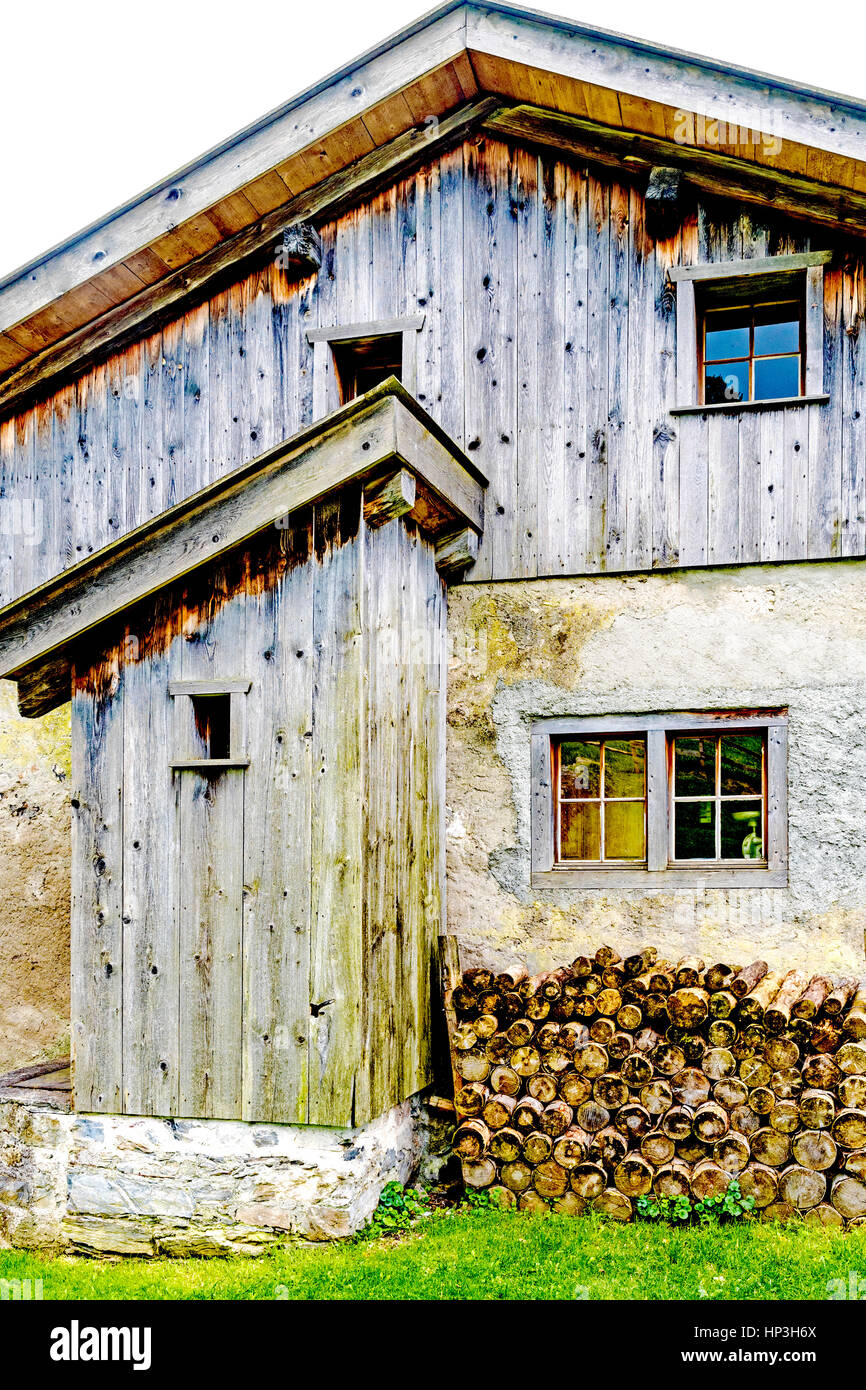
x=34, y=883
x=790, y=635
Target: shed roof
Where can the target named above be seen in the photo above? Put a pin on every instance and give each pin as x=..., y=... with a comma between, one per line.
x=490, y=64
x=373, y=436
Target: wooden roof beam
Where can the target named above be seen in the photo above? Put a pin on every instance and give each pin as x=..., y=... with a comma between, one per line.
x=136, y=317
x=705, y=168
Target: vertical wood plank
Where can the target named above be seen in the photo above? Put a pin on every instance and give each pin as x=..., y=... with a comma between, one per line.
x=688, y=386
x=825, y=436
x=336, y=836
x=854, y=410
x=97, y=1023
x=619, y=464
x=751, y=486
x=211, y=808
x=151, y=981
x=454, y=329
x=598, y=207
x=638, y=461
x=554, y=500
x=490, y=366
x=575, y=373
x=694, y=489
x=665, y=429
x=529, y=496
x=196, y=380
x=723, y=514
x=277, y=793
x=795, y=483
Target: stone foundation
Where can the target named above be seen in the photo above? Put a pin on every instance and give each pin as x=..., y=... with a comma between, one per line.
x=144, y=1186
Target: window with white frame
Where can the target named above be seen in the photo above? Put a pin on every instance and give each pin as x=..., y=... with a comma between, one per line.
x=686, y=797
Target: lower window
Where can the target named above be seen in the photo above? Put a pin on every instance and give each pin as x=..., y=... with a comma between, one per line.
x=688, y=797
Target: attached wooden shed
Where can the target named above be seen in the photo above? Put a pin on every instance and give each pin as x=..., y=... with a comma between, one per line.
x=257, y=682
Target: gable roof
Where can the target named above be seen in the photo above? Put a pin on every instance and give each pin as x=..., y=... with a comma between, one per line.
x=464, y=63
x=372, y=437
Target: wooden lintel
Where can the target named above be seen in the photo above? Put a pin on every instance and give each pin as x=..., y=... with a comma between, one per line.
x=375, y=328
x=706, y=168
x=393, y=497
x=456, y=551
x=233, y=686
x=759, y=265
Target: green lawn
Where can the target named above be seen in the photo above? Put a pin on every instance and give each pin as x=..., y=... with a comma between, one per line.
x=490, y=1255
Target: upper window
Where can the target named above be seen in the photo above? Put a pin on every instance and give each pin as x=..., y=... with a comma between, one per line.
x=752, y=352
x=750, y=333
x=210, y=725
x=349, y=359
x=363, y=363
x=677, y=796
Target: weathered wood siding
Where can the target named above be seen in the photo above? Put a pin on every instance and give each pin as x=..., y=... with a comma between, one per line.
x=256, y=943
x=548, y=350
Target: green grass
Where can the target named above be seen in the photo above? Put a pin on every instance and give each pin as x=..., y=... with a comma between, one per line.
x=487, y=1255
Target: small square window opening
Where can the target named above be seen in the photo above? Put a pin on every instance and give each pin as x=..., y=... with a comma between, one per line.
x=212, y=717
x=365, y=362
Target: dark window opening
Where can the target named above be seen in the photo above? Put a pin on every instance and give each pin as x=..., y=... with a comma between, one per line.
x=212, y=715
x=752, y=352
x=365, y=362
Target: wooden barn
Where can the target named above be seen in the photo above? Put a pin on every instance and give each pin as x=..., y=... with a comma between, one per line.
x=442, y=507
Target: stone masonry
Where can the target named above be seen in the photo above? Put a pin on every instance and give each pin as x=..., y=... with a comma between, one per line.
x=107, y=1185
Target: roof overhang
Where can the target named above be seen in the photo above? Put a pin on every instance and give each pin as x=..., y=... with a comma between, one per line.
x=519, y=73
x=383, y=435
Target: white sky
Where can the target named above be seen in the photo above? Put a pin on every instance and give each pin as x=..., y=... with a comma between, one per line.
x=101, y=98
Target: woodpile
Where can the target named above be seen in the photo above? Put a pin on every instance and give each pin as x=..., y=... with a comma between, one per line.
x=611, y=1078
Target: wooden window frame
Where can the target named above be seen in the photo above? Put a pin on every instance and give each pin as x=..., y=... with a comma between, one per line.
x=326, y=342
x=601, y=800
x=183, y=693
x=659, y=871
x=759, y=280
x=717, y=798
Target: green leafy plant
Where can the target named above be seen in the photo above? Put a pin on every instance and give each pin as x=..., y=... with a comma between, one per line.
x=729, y=1206
x=480, y=1199
x=398, y=1209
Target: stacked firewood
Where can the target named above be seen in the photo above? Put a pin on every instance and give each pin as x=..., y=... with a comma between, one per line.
x=613, y=1078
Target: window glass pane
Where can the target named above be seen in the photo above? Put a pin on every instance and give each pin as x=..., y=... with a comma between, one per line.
x=579, y=830
x=727, y=335
x=775, y=377
x=694, y=830
x=694, y=766
x=742, y=830
x=777, y=329
x=624, y=830
x=580, y=769
x=624, y=767
x=741, y=764
x=726, y=383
